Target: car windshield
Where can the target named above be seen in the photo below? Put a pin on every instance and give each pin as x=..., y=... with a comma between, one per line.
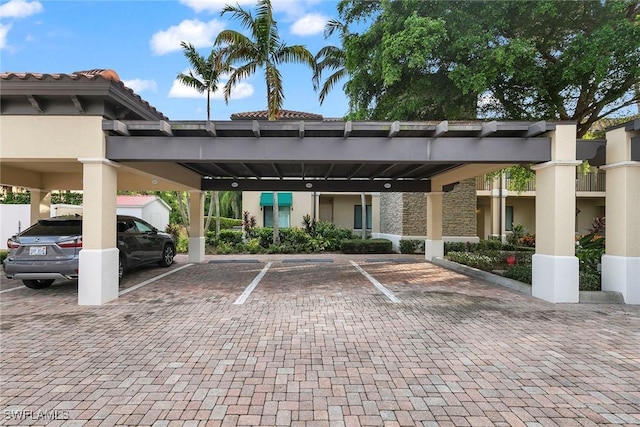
x=45, y=227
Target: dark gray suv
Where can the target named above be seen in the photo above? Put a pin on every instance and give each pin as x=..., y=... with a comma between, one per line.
x=50, y=249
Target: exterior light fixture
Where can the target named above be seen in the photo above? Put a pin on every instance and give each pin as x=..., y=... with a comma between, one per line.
x=234, y=184
x=308, y=185
x=387, y=185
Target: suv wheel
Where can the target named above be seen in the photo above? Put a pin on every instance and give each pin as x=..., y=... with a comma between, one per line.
x=38, y=283
x=167, y=256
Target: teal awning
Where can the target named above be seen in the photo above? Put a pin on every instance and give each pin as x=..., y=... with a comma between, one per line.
x=284, y=199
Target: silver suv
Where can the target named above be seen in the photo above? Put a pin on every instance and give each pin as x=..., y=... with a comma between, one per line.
x=50, y=249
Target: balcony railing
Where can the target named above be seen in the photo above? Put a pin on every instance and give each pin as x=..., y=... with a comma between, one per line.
x=593, y=181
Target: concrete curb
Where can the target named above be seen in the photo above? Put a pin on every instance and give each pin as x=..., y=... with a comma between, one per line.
x=586, y=297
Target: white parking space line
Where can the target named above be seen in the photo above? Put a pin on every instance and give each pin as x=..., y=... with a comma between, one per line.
x=242, y=298
x=12, y=289
x=377, y=284
x=153, y=279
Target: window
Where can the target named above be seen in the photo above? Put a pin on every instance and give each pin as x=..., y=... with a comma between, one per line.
x=357, y=217
x=284, y=216
x=508, y=220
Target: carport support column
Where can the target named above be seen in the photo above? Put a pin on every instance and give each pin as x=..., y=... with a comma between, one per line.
x=40, y=204
x=98, y=275
x=196, y=226
x=621, y=263
x=555, y=266
x=434, y=246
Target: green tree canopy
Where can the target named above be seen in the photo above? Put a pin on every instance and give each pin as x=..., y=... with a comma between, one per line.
x=523, y=60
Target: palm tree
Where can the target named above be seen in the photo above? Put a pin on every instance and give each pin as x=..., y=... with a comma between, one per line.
x=204, y=75
x=263, y=49
x=330, y=58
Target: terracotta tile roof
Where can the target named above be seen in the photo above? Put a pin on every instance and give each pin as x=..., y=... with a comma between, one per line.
x=284, y=115
x=93, y=74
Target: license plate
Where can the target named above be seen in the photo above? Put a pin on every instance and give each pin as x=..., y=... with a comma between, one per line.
x=38, y=250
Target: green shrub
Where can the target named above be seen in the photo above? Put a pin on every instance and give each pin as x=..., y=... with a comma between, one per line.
x=230, y=236
x=253, y=246
x=366, y=246
x=3, y=255
x=411, y=246
x=491, y=245
x=331, y=235
x=224, y=248
x=180, y=236
x=458, y=247
x=479, y=261
x=519, y=272
x=225, y=223
x=590, y=281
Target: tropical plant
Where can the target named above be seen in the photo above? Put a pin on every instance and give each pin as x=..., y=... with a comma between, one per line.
x=263, y=48
x=204, y=76
x=332, y=58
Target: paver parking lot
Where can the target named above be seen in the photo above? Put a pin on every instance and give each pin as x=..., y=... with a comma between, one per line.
x=314, y=343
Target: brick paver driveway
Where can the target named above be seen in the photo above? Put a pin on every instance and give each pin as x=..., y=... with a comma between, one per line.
x=315, y=344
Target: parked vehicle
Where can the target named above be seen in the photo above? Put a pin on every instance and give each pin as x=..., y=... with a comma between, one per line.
x=50, y=249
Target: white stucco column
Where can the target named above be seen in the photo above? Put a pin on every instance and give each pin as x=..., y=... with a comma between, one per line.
x=196, y=226
x=555, y=266
x=98, y=274
x=40, y=204
x=498, y=207
x=621, y=262
x=434, y=246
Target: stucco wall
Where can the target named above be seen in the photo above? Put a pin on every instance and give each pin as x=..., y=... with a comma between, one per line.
x=13, y=218
x=524, y=212
x=51, y=137
x=343, y=207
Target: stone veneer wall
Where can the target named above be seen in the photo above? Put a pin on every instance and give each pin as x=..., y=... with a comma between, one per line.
x=405, y=214
x=459, y=210
x=414, y=214
x=391, y=213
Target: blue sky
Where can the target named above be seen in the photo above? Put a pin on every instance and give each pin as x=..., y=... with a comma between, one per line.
x=140, y=40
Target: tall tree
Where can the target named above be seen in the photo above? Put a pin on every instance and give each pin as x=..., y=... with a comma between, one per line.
x=526, y=60
x=332, y=58
x=204, y=76
x=264, y=49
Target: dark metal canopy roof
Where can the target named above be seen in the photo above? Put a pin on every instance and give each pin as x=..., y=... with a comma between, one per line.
x=326, y=155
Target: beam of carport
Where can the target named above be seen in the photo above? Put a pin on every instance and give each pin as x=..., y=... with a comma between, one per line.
x=329, y=149
x=359, y=185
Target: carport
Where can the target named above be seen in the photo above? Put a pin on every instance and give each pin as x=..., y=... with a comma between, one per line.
x=87, y=131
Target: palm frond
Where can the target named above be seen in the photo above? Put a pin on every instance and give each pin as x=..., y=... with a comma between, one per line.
x=330, y=83
x=275, y=94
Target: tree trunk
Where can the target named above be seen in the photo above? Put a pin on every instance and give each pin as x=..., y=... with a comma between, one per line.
x=276, y=220
x=216, y=200
x=184, y=210
x=363, y=202
x=207, y=222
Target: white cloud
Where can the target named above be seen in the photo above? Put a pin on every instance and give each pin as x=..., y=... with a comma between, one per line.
x=140, y=85
x=4, y=30
x=309, y=24
x=293, y=9
x=20, y=9
x=198, y=33
x=214, y=6
x=241, y=90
